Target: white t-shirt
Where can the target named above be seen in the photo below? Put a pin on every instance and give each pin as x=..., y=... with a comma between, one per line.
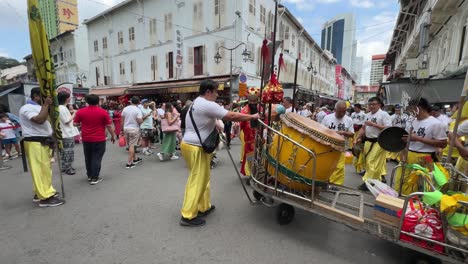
x=320, y=116
x=31, y=129
x=444, y=119
x=68, y=130
x=399, y=120
x=288, y=110
x=381, y=118
x=305, y=112
x=131, y=113
x=343, y=124
x=429, y=128
x=463, y=129
x=358, y=118
x=204, y=114
x=161, y=112
x=7, y=130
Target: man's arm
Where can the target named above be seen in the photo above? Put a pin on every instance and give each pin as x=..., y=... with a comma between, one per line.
x=438, y=143
x=111, y=130
x=238, y=117
x=44, y=113
x=122, y=122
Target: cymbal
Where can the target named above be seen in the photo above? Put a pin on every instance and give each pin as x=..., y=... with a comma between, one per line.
x=390, y=139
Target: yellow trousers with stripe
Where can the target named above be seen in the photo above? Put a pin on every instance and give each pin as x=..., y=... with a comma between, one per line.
x=410, y=182
x=241, y=137
x=375, y=159
x=338, y=175
x=41, y=170
x=197, y=189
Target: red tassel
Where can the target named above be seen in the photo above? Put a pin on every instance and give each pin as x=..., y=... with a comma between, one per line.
x=273, y=79
x=265, y=51
x=281, y=62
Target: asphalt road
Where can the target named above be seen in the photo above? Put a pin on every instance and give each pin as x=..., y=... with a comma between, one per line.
x=133, y=217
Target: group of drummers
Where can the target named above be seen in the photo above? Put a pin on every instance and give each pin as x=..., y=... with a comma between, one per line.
x=428, y=138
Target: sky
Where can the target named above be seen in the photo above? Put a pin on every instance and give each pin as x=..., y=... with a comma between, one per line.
x=375, y=20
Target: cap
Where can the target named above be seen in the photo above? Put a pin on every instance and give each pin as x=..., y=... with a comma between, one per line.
x=144, y=101
x=397, y=106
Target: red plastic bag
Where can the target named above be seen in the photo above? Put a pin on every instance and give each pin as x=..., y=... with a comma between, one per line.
x=122, y=142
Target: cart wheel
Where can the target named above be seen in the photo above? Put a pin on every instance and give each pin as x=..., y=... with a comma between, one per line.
x=257, y=195
x=285, y=214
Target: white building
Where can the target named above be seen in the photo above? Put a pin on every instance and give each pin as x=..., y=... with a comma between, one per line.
x=430, y=42
x=357, y=69
x=70, y=56
x=149, y=45
x=377, y=69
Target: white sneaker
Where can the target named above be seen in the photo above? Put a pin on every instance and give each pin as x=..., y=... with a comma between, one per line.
x=52, y=160
x=160, y=156
x=147, y=153
x=174, y=157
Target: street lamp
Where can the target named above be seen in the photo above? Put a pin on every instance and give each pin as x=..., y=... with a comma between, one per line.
x=245, y=57
x=80, y=79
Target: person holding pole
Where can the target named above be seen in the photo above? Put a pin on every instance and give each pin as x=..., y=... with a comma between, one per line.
x=38, y=141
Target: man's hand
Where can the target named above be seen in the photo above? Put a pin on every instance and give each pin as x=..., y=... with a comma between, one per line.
x=369, y=123
x=255, y=116
x=48, y=101
x=113, y=139
x=357, y=141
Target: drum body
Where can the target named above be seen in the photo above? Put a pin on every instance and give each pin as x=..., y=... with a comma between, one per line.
x=295, y=165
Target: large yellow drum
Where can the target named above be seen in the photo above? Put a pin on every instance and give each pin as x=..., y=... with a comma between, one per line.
x=295, y=165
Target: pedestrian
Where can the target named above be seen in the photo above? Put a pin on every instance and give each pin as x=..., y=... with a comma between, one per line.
x=287, y=103
x=322, y=114
x=249, y=130
x=8, y=129
x=161, y=113
x=132, y=117
x=203, y=113
x=38, y=141
x=94, y=121
x=117, y=119
x=374, y=156
x=343, y=125
x=146, y=127
x=67, y=153
x=183, y=114
x=227, y=129
x=170, y=126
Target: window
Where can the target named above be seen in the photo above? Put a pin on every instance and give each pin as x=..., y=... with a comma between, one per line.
x=61, y=56
x=131, y=34
x=55, y=58
x=152, y=26
x=293, y=40
x=216, y=6
x=120, y=38
x=97, y=76
x=281, y=31
x=168, y=26
x=463, y=40
x=170, y=64
x=154, y=67
x=198, y=60
x=218, y=12
x=96, y=48
x=132, y=66
x=286, y=33
x=122, y=68
x=252, y=7
x=262, y=14
x=104, y=43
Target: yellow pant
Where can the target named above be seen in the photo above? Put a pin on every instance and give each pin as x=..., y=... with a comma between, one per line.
x=462, y=165
x=41, y=170
x=338, y=175
x=358, y=163
x=410, y=183
x=241, y=137
x=197, y=189
x=375, y=161
x=393, y=155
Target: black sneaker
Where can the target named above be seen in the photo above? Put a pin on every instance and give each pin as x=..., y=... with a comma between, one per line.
x=137, y=161
x=51, y=202
x=207, y=212
x=129, y=166
x=70, y=172
x=36, y=198
x=89, y=178
x=383, y=180
x=95, y=181
x=197, y=221
x=363, y=187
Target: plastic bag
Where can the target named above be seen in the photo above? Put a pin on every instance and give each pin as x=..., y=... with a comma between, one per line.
x=377, y=187
x=122, y=142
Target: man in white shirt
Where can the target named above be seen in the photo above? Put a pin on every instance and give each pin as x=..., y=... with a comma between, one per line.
x=374, y=156
x=358, y=117
x=343, y=125
x=321, y=115
x=69, y=131
x=37, y=133
x=427, y=135
x=399, y=119
x=287, y=103
x=436, y=112
x=131, y=120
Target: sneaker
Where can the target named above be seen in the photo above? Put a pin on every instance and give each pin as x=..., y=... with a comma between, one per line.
x=160, y=156
x=89, y=179
x=95, y=181
x=363, y=187
x=52, y=160
x=383, y=179
x=70, y=172
x=147, y=153
x=51, y=202
x=137, y=161
x=197, y=221
x=207, y=212
x=362, y=173
x=129, y=166
x=174, y=157
x=36, y=198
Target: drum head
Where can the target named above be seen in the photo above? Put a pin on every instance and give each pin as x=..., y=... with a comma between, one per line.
x=390, y=139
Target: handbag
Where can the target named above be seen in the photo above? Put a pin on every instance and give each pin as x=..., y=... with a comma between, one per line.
x=122, y=141
x=165, y=127
x=211, y=142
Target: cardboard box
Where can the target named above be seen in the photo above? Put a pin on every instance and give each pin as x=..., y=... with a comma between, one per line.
x=386, y=209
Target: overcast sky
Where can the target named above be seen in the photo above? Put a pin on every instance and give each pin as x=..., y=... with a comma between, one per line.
x=375, y=20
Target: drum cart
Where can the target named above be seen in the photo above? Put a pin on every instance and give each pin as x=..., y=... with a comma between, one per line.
x=337, y=203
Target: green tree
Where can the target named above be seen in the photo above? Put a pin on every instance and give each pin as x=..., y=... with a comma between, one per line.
x=8, y=63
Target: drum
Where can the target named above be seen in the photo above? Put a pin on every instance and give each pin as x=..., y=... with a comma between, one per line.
x=295, y=165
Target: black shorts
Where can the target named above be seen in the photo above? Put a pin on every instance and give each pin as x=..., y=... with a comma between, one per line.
x=147, y=133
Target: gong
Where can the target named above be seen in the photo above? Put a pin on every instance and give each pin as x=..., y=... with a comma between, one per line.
x=390, y=139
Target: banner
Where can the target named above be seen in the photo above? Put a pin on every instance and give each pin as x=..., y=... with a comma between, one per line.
x=67, y=12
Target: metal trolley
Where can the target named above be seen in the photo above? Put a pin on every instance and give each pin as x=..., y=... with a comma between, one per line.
x=338, y=203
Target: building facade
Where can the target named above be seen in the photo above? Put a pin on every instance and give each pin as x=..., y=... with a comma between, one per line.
x=377, y=69
x=338, y=36
x=59, y=16
x=146, y=42
x=362, y=93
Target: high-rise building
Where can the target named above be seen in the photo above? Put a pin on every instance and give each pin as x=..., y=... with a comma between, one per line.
x=358, y=63
x=377, y=69
x=338, y=36
x=59, y=16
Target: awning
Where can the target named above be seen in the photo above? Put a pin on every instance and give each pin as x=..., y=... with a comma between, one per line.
x=9, y=90
x=436, y=91
x=109, y=91
x=173, y=87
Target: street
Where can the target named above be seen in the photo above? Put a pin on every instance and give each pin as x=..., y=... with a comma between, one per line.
x=133, y=217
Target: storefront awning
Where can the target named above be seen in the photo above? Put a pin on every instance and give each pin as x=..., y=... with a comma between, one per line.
x=109, y=91
x=173, y=87
x=436, y=91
